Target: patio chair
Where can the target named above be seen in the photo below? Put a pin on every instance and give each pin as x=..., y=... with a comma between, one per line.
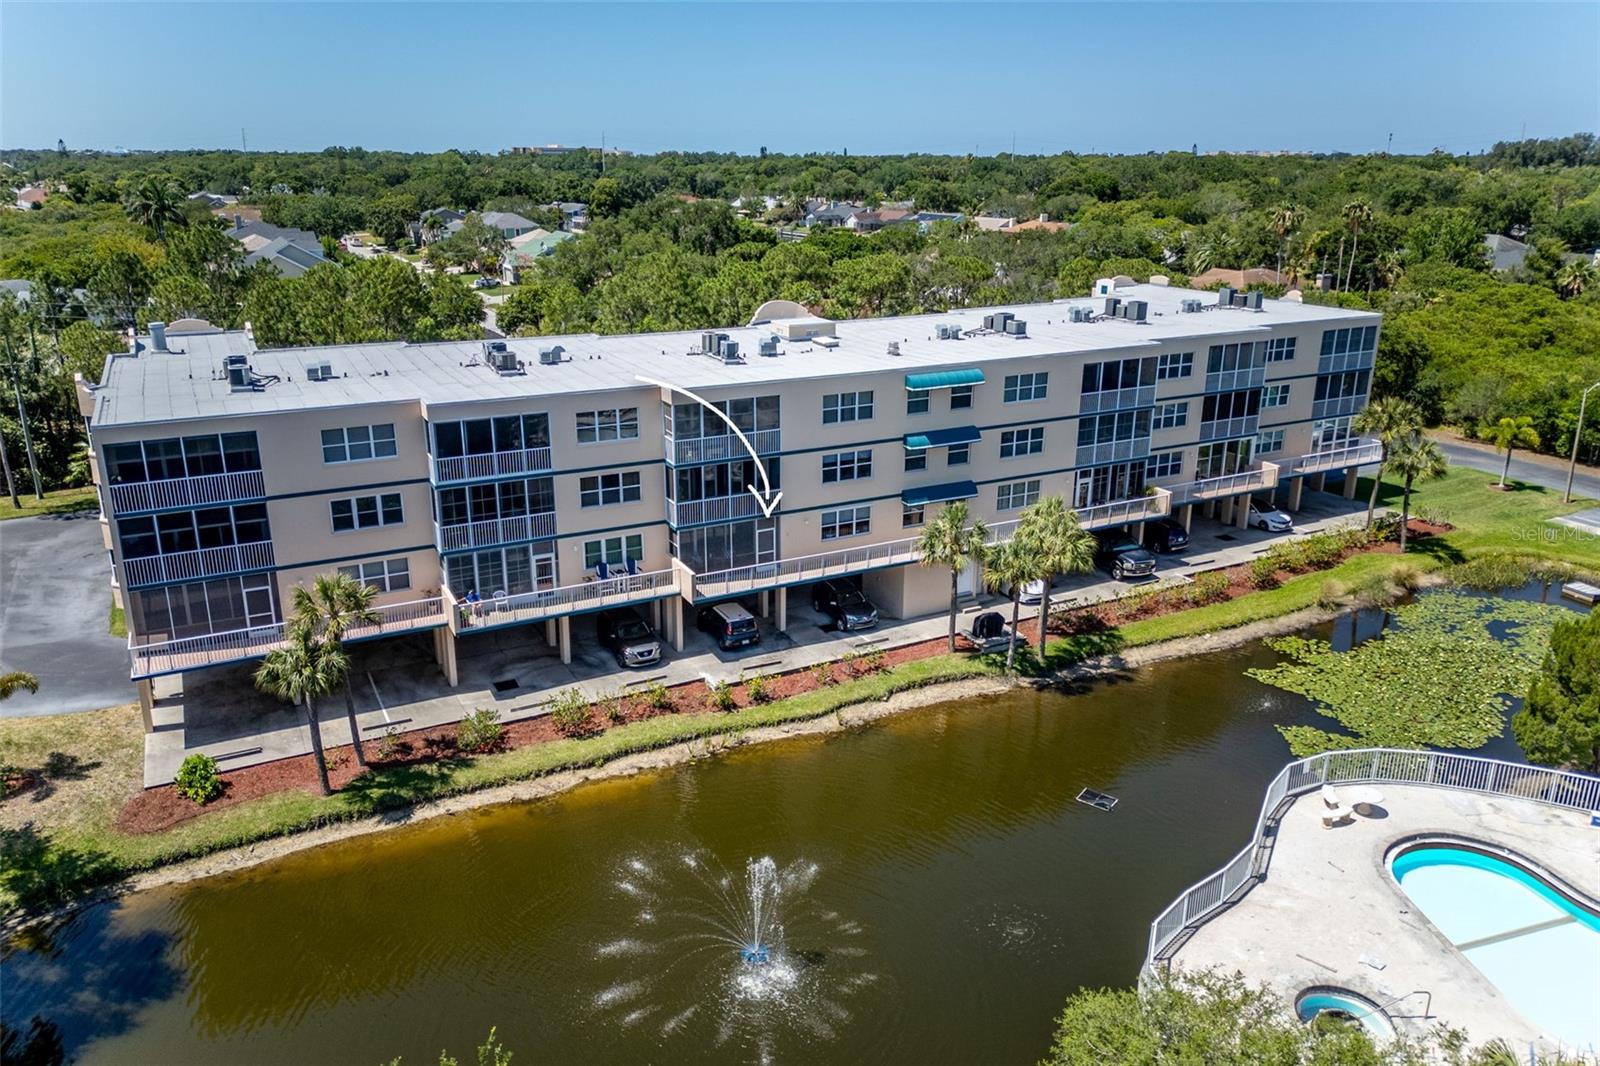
x=601, y=570
x=499, y=597
x=1332, y=816
x=1330, y=797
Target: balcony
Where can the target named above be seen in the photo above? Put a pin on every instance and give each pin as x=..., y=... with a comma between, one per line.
x=560, y=600
x=1338, y=406
x=1338, y=364
x=194, y=565
x=495, y=531
x=1250, y=377
x=1215, y=488
x=1228, y=428
x=1117, y=399
x=154, y=658
x=692, y=450
x=132, y=497
x=1116, y=451
x=1121, y=512
x=1357, y=452
x=489, y=465
x=682, y=513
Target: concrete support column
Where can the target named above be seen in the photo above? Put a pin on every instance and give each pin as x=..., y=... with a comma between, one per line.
x=1209, y=508
x=444, y=653
x=674, y=612
x=764, y=604
x=550, y=632
x=1296, y=486
x=1350, y=482
x=564, y=631
x=1242, y=508
x=655, y=615
x=147, y=704
x=780, y=610
x=1319, y=481
x=1225, y=510
x=1186, y=516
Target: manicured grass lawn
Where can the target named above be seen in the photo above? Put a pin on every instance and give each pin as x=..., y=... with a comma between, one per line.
x=73, y=842
x=61, y=501
x=117, y=624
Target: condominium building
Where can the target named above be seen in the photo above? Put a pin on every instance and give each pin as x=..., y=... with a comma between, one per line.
x=485, y=485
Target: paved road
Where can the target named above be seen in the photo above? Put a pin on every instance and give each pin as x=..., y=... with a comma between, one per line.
x=55, y=597
x=1531, y=469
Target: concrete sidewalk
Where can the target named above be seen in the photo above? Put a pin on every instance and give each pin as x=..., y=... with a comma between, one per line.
x=397, y=684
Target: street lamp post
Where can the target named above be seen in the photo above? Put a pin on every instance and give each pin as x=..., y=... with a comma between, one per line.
x=1577, y=438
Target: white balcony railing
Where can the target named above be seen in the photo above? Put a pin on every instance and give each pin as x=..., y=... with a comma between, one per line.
x=1117, y=399
x=1214, y=488
x=206, y=562
x=560, y=600
x=497, y=531
x=1339, y=364
x=1353, y=453
x=132, y=496
x=718, y=449
x=1428, y=769
x=490, y=464
x=154, y=657
x=1114, y=451
x=1225, y=428
x=1121, y=512
x=717, y=509
x=1338, y=406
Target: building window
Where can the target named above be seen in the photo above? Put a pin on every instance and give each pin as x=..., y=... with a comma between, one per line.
x=160, y=460
x=1280, y=349
x=1342, y=386
x=1220, y=406
x=1164, y=464
x=385, y=575
x=352, y=444
x=1108, y=429
x=1174, y=365
x=185, y=531
x=846, y=522
x=482, y=436
x=613, y=551
x=912, y=515
x=1330, y=433
x=600, y=490
x=846, y=466
x=846, y=407
x=957, y=455
x=366, y=512
x=1017, y=494
x=1172, y=415
x=917, y=402
x=1345, y=341
x=1227, y=357
x=1275, y=396
x=1269, y=442
x=1019, y=442
x=1118, y=374
x=961, y=397
x=616, y=423
x=916, y=459
x=1221, y=458
x=1020, y=388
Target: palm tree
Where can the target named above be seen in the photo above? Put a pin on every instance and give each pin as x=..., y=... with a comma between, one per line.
x=1357, y=213
x=431, y=226
x=154, y=202
x=333, y=606
x=300, y=671
x=1574, y=277
x=1387, y=418
x=15, y=682
x=1009, y=567
x=1510, y=434
x=953, y=539
x=1064, y=547
x=1285, y=217
x=1415, y=458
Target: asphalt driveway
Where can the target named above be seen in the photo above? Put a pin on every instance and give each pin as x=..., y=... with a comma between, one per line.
x=55, y=599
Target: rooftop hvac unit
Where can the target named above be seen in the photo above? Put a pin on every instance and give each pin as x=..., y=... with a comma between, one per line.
x=768, y=345
x=551, y=356
x=319, y=371
x=1225, y=296
x=1252, y=300
x=1135, y=310
x=238, y=369
x=1017, y=327
x=727, y=350
x=1001, y=319
x=1192, y=306
x=708, y=342
x=949, y=332
x=1113, y=306
x=894, y=348
x=501, y=358
x=1239, y=299
x=1080, y=314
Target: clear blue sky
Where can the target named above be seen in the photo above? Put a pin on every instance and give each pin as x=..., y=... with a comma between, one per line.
x=868, y=78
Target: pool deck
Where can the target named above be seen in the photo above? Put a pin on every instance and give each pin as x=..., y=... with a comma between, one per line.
x=1329, y=907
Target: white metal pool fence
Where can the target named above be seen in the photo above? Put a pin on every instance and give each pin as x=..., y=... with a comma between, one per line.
x=1466, y=773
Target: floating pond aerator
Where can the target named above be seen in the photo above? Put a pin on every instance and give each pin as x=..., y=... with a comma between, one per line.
x=755, y=955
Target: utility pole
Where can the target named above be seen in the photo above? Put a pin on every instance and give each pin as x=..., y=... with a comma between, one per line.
x=22, y=417
x=1577, y=438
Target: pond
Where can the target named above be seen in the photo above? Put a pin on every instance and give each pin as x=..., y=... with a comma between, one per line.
x=933, y=894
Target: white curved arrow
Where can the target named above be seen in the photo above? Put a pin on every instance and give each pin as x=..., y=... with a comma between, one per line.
x=764, y=495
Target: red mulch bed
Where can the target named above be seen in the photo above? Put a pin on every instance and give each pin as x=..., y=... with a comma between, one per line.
x=162, y=808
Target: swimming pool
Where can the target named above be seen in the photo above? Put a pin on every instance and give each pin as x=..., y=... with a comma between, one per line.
x=1540, y=947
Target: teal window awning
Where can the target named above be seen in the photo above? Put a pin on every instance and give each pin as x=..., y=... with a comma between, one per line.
x=956, y=490
x=944, y=379
x=943, y=438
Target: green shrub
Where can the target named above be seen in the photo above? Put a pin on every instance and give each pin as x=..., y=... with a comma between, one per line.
x=615, y=707
x=1264, y=572
x=480, y=731
x=570, y=713
x=389, y=744
x=823, y=673
x=720, y=698
x=658, y=697
x=850, y=661
x=1288, y=555
x=197, y=779
x=1321, y=550
x=1332, y=594
x=1208, y=587
x=875, y=660
x=756, y=689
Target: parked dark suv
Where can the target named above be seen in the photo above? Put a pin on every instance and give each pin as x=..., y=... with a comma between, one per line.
x=732, y=625
x=845, y=604
x=1122, y=557
x=1166, y=535
x=628, y=635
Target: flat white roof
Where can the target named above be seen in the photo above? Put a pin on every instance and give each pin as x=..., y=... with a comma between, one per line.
x=188, y=381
